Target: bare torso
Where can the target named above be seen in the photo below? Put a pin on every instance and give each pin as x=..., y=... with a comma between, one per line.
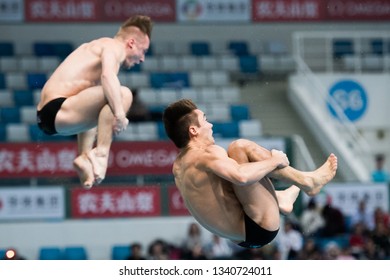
x=210, y=199
x=80, y=70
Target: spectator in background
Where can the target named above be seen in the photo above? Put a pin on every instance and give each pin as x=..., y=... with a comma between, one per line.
x=334, y=220
x=381, y=238
x=380, y=174
x=290, y=241
x=311, y=220
x=138, y=112
x=136, y=252
x=193, y=240
x=12, y=254
x=362, y=215
x=218, y=248
x=158, y=250
x=310, y=251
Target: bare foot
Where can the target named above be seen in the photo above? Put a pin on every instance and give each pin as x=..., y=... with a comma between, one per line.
x=286, y=199
x=99, y=165
x=84, y=169
x=321, y=176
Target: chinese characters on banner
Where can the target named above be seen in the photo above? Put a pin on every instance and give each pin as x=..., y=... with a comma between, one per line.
x=109, y=202
x=32, y=203
x=56, y=159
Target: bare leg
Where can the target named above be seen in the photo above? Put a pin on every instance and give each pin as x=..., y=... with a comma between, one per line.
x=309, y=182
x=82, y=164
x=99, y=155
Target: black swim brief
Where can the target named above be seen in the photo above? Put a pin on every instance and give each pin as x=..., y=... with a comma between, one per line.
x=256, y=236
x=47, y=115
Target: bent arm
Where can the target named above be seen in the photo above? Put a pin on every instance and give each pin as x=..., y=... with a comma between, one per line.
x=218, y=162
x=110, y=82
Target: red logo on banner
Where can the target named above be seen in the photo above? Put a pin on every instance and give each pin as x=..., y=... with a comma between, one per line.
x=176, y=202
x=66, y=10
x=56, y=159
x=110, y=202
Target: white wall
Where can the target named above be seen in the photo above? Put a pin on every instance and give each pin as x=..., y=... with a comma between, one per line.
x=97, y=236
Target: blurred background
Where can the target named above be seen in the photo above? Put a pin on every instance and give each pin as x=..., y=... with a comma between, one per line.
x=309, y=77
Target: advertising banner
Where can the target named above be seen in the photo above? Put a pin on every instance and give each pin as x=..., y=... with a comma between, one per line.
x=114, y=202
x=346, y=196
x=98, y=10
x=213, y=11
x=358, y=10
x=27, y=203
x=55, y=159
x=176, y=202
x=288, y=10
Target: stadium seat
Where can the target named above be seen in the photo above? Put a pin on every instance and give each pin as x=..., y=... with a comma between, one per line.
x=198, y=79
x=6, y=98
x=138, y=80
x=17, y=132
x=28, y=114
x=120, y=252
x=199, y=48
x=23, y=98
x=229, y=63
x=9, y=64
x=50, y=253
x=188, y=63
x=48, y=63
x=226, y=129
x=10, y=115
x=36, y=80
x=16, y=80
x=2, y=81
x=161, y=131
x=208, y=63
x=249, y=64
x=169, y=80
x=342, y=47
x=169, y=63
x=29, y=64
x=37, y=135
x=75, y=253
x=3, y=134
x=60, y=49
x=240, y=112
x=250, y=128
x=7, y=49
x=239, y=48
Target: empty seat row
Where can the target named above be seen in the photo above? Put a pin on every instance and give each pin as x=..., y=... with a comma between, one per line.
x=150, y=96
x=142, y=131
x=29, y=64
x=67, y=253
x=197, y=48
x=349, y=46
x=27, y=132
x=19, y=80
x=39, y=48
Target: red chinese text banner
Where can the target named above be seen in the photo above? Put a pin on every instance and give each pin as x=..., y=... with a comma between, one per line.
x=112, y=202
x=25, y=160
x=98, y=10
x=320, y=10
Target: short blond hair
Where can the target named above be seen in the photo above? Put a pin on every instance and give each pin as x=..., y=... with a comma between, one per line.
x=143, y=23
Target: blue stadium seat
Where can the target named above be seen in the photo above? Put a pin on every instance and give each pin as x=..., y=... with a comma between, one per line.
x=239, y=112
x=169, y=80
x=200, y=48
x=37, y=135
x=60, y=49
x=226, y=129
x=239, y=48
x=342, y=47
x=50, y=253
x=7, y=49
x=249, y=64
x=2, y=81
x=36, y=80
x=120, y=252
x=10, y=115
x=161, y=131
x=2, y=253
x=3, y=135
x=23, y=98
x=75, y=253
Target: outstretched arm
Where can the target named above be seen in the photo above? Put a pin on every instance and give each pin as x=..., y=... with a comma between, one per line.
x=217, y=161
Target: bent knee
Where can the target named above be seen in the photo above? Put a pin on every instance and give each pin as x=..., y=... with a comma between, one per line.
x=127, y=96
x=238, y=144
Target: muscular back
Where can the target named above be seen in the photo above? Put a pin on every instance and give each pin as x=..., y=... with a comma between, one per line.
x=80, y=70
x=209, y=198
